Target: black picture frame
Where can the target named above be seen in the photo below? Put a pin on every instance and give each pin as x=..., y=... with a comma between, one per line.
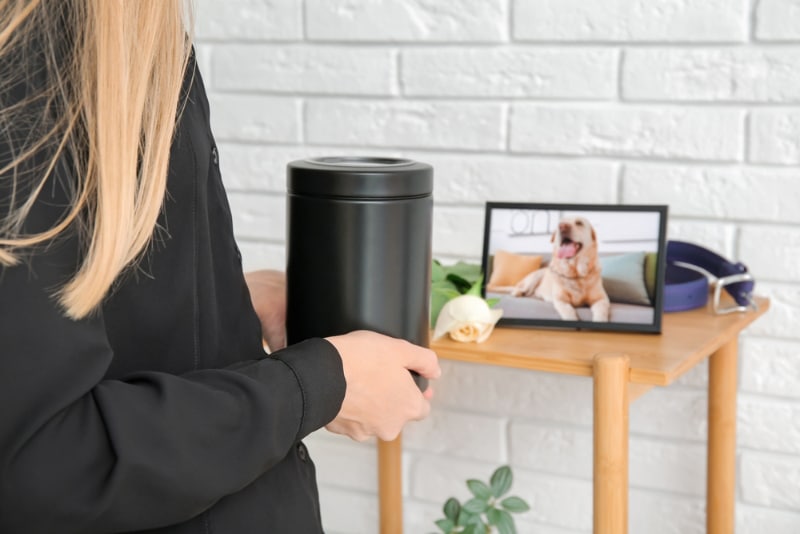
x=627, y=237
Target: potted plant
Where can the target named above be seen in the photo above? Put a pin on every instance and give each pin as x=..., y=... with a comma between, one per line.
x=488, y=511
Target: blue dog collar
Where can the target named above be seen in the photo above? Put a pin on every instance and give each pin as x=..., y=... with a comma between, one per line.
x=687, y=285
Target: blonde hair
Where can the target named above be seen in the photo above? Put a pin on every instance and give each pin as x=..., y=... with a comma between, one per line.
x=114, y=84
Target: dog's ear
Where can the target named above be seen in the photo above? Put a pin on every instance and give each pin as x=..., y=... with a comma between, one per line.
x=594, y=236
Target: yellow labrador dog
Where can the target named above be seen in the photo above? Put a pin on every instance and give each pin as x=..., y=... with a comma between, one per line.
x=572, y=278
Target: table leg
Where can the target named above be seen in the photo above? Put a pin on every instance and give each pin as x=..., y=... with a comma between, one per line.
x=390, y=485
x=611, y=377
x=721, y=476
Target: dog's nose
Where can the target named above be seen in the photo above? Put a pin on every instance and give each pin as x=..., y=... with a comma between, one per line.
x=563, y=227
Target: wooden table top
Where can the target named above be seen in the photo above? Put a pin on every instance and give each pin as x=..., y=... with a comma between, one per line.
x=656, y=359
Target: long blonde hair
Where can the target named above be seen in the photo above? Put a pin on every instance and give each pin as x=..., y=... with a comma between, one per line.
x=113, y=84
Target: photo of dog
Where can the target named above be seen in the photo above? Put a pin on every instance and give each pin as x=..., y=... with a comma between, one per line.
x=572, y=278
x=575, y=265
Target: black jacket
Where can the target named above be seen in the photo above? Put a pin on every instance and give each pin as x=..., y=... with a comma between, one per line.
x=160, y=413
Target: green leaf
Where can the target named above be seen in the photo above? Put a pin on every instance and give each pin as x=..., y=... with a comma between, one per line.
x=469, y=529
x=477, y=527
x=501, y=481
x=451, y=509
x=476, y=506
x=493, y=515
x=476, y=519
x=476, y=288
x=437, y=271
x=492, y=302
x=515, y=505
x=443, y=284
x=461, y=284
x=467, y=271
x=439, y=297
x=445, y=525
x=502, y=520
x=465, y=518
x=479, y=489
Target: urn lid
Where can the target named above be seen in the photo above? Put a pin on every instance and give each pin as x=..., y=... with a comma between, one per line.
x=355, y=177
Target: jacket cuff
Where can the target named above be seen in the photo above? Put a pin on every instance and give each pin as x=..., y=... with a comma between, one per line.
x=318, y=368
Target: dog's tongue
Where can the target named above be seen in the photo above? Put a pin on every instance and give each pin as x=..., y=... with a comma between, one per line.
x=567, y=250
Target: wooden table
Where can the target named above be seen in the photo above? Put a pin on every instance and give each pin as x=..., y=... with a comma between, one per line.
x=623, y=366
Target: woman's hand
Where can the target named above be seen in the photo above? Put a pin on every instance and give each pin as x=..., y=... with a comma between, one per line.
x=381, y=395
x=268, y=293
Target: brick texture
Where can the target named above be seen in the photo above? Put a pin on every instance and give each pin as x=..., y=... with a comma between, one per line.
x=410, y=124
x=686, y=133
x=775, y=136
x=718, y=75
x=407, y=20
x=519, y=72
x=777, y=20
x=304, y=69
x=249, y=19
x=630, y=20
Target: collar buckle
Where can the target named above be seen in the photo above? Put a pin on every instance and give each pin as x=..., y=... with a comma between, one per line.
x=720, y=283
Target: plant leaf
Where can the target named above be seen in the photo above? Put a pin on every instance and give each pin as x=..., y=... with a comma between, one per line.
x=467, y=271
x=476, y=506
x=476, y=520
x=444, y=283
x=505, y=523
x=437, y=271
x=515, y=505
x=479, y=489
x=502, y=520
x=492, y=302
x=476, y=528
x=451, y=509
x=461, y=284
x=501, y=481
x=465, y=518
x=445, y=525
x=476, y=288
x=493, y=515
x=439, y=297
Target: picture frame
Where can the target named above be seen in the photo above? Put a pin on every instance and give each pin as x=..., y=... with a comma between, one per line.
x=576, y=266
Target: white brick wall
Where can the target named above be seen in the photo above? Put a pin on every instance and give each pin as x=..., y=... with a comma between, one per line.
x=694, y=104
x=633, y=21
x=718, y=75
x=628, y=131
x=407, y=20
x=506, y=72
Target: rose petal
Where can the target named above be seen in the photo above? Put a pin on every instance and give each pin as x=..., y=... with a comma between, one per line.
x=469, y=308
x=466, y=318
x=466, y=332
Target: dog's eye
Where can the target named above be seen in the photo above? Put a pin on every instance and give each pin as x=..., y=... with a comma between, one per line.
x=578, y=223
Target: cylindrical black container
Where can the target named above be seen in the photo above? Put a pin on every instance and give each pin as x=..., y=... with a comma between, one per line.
x=359, y=248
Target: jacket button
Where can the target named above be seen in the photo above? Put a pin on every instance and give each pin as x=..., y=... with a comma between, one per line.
x=302, y=453
x=214, y=155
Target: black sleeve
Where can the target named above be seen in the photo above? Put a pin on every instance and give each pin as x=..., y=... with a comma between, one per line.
x=80, y=454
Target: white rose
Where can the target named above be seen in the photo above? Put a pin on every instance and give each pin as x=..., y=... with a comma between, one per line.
x=466, y=318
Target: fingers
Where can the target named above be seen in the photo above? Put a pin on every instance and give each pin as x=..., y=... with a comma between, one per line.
x=423, y=361
x=381, y=395
x=425, y=410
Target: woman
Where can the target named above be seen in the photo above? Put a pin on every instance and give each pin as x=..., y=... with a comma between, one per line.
x=134, y=389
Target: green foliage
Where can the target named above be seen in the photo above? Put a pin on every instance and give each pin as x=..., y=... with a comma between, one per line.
x=485, y=512
x=450, y=281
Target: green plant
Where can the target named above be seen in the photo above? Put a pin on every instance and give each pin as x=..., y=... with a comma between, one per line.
x=450, y=281
x=487, y=511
